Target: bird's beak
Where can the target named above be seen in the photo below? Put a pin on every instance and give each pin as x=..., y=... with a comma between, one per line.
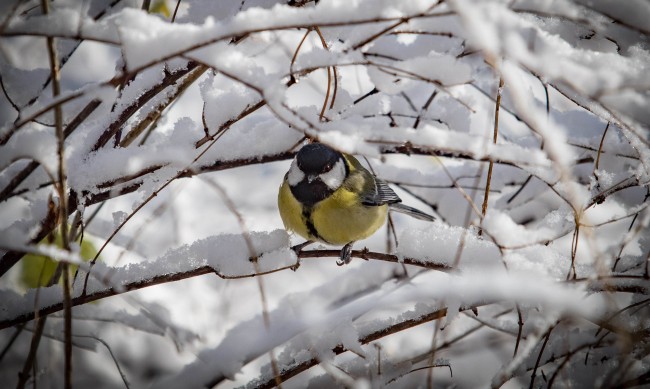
x=311, y=178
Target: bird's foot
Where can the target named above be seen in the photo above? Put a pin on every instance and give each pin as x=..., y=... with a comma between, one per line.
x=346, y=254
x=297, y=249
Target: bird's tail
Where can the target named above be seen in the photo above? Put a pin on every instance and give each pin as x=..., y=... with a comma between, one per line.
x=411, y=212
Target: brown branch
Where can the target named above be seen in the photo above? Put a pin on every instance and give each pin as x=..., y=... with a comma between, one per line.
x=600, y=148
x=288, y=26
x=113, y=192
x=624, y=184
x=24, y=374
x=171, y=277
x=55, y=76
x=76, y=36
x=155, y=114
x=329, y=75
x=296, y=369
x=595, y=285
x=11, y=257
x=520, y=328
x=295, y=53
x=539, y=357
x=247, y=111
x=494, y=140
x=169, y=79
x=46, y=108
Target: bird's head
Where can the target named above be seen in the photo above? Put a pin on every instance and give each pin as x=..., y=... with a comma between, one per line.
x=316, y=172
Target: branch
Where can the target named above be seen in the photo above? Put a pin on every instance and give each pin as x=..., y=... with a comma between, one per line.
x=292, y=371
x=169, y=79
x=171, y=277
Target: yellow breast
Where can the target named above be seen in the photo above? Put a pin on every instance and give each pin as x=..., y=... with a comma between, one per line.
x=338, y=220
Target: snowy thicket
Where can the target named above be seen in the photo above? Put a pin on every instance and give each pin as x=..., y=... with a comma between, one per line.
x=522, y=125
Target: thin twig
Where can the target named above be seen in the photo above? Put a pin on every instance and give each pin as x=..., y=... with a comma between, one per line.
x=63, y=202
x=12, y=339
x=574, y=249
x=298, y=368
x=494, y=140
x=425, y=107
x=24, y=375
x=178, y=3
x=170, y=79
x=110, y=351
x=600, y=149
x=37, y=334
x=436, y=327
x=520, y=328
x=156, y=112
x=295, y=53
x=252, y=252
x=329, y=74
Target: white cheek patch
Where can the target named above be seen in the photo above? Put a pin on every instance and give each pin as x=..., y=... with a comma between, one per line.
x=295, y=174
x=334, y=178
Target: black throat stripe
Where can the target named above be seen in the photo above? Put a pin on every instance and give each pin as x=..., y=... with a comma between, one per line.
x=306, y=214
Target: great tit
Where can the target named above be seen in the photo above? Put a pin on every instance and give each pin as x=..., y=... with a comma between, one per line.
x=329, y=197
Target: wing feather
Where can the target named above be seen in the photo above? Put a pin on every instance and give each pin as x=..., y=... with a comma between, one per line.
x=379, y=194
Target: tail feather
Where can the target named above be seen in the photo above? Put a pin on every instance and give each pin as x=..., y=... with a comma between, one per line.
x=411, y=212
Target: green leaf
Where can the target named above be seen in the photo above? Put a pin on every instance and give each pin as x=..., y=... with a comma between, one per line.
x=36, y=270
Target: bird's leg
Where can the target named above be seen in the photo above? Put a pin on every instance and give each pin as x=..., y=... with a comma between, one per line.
x=297, y=249
x=346, y=254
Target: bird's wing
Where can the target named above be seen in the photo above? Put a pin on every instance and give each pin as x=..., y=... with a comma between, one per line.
x=379, y=193
x=375, y=191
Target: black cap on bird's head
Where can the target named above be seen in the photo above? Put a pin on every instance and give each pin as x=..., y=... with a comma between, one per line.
x=317, y=158
x=316, y=172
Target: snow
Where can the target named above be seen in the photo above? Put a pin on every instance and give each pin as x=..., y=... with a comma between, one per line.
x=439, y=244
x=227, y=255
x=215, y=292
x=140, y=31
x=26, y=145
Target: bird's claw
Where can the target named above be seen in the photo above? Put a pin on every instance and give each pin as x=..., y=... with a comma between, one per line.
x=297, y=249
x=346, y=254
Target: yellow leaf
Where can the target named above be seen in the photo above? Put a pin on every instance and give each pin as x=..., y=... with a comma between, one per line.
x=36, y=270
x=160, y=7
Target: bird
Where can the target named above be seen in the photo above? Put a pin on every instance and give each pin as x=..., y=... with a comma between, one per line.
x=327, y=196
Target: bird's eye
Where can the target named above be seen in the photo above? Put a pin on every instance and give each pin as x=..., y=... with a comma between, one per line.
x=328, y=167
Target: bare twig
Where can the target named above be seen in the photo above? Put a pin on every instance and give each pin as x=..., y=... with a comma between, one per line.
x=520, y=328
x=298, y=368
x=329, y=75
x=254, y=260
x=155, y=113
x=600, y=147
x=169, y=79
x=574, y=249
x=436, y=328
x=110, y=351
x=178, y=3
x=63, y=203
x=295, y=53
x=24, y=375
x=494, y=140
